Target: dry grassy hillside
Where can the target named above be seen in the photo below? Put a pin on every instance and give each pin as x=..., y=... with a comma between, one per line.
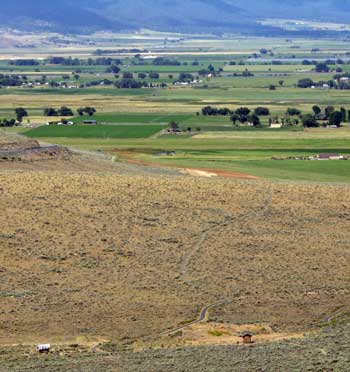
x=117, y=257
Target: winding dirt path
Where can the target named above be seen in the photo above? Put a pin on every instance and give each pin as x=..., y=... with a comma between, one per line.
x=184, y=268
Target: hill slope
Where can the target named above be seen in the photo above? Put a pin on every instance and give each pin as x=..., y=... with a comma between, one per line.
x=165, y=15
x=61, y=15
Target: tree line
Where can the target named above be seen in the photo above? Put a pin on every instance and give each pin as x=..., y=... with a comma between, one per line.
x=293, y=116
x=66, y=111
x=21, y=113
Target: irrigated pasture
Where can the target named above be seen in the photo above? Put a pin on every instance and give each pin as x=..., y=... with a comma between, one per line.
x=246, y=151
x=95, y=131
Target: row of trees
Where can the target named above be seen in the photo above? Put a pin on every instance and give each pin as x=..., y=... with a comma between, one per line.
x=293, y=116
x=242, y=111
x=161, y=61
x=24, y=62
x=151, y=75
x=66, y=111
x=21, y=113
x=338, y=83
x=241, y=115
x=102, y=61
x=7, y=123
x=63, y=111
x=135, y=84
x=12, y=80
x=327, y=116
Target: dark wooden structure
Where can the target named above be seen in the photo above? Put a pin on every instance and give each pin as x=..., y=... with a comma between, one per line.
x=247, y=338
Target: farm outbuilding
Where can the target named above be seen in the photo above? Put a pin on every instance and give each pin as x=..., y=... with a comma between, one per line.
x=247, y=337
x=44, y=348
x=329, y=156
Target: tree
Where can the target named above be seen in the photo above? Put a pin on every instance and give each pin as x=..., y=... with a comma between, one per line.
x=53, y=84
x=86, y=110
x=50, y=112
x=153, y=75
x=128, y=75
x=185, y=77
x=317, y=110
x=272, y=87
x=213, y=111
x=343, y=112
x=211, y=68
x=90, y=110
x=322, y=67
x=305, y=83
x=20, y=113
x=254, y=119
x=328, y=110
x=309, y=121
x=65, y=111
x=242, y=119
x=243, y=111
x=203, y=72
x=174, y=125
x=335, y=118
x=7, y=123
x=113, y=69
x=128, y=84
x=234, y=119
x=262, y=111
x=142, y=75
x=291, y=111
x=281, y=82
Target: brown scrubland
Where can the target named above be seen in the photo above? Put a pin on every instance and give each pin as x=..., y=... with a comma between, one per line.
x=93, y=255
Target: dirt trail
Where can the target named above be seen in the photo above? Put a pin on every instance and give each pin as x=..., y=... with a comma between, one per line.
x=184, y=269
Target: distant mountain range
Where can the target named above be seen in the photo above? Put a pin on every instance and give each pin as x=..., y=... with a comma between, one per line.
x=165, y=15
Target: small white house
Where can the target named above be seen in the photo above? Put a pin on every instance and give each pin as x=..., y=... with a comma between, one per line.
x=276, y=126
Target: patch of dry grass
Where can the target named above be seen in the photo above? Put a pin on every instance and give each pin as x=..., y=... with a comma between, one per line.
x=100, y=255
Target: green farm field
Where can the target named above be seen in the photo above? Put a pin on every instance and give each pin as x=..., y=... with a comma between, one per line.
x=92, y=131
x=132, y=119
x=249, y=152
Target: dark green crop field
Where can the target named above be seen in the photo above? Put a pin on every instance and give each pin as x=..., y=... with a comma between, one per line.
x=99, y=131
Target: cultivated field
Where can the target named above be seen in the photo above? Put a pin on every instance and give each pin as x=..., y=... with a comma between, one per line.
x=131, y=119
